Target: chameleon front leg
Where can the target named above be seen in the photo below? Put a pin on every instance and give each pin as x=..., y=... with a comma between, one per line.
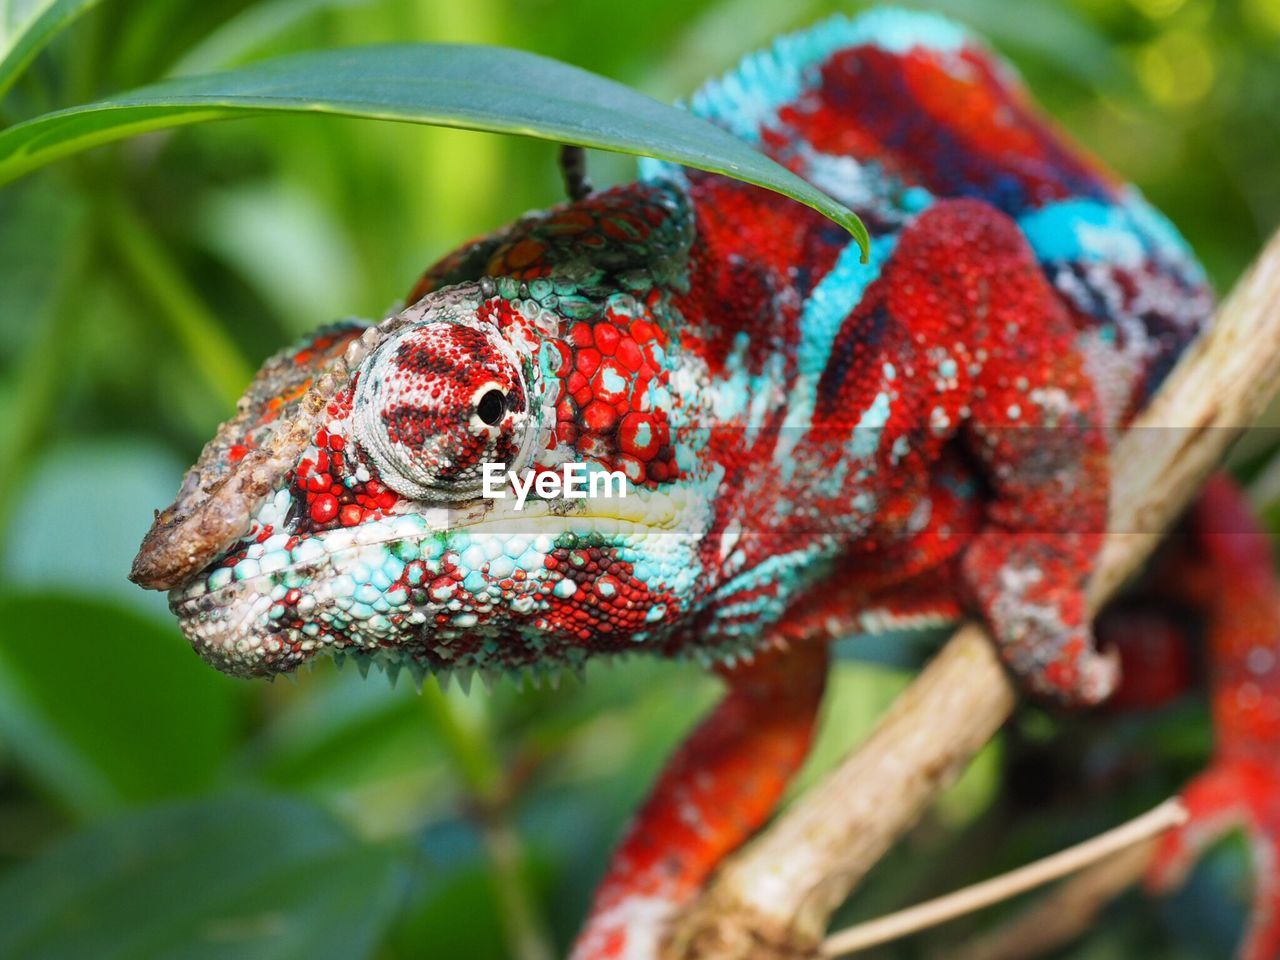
x=718, y=788
x=1007, y=361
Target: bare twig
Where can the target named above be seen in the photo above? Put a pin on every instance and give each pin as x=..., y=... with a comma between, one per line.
x=1059, y=917
x=773, y=899
x=1103, y=847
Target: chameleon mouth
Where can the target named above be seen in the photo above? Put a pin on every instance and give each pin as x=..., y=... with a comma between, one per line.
x=373, y=592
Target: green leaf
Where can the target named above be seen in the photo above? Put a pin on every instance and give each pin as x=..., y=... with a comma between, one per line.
x=104, y=706
x=475, y=87
x=40, y=22
x=240, y=878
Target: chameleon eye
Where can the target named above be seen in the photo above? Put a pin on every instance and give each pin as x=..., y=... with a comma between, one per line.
x=491, y=407
x=435, y=402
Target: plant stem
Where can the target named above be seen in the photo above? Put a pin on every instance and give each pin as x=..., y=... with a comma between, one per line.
x=195, y=327
x=487, y=788
x=43, y=370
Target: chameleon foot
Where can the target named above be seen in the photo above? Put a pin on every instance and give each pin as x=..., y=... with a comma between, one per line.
x=1235, y=794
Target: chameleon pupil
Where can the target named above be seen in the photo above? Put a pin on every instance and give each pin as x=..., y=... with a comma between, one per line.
x=491, y=407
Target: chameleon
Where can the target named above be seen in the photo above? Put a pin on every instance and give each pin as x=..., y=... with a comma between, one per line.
x=815, y=445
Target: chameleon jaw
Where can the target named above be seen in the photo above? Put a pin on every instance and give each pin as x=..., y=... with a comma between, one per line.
x=436, y=590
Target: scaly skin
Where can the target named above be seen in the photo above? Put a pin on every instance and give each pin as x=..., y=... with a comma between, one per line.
x=813, y=446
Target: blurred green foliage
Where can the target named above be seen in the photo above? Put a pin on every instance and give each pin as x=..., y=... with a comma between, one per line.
x=150, y=807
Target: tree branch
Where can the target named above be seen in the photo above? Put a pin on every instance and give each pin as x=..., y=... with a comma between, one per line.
x=773, y=899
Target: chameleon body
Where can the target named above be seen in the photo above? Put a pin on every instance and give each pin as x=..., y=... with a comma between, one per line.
x=815, y=446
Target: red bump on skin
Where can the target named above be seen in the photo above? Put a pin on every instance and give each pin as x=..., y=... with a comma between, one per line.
x=588, y=361
x=638, y=436
x=324, y=508
x=643, y=330
x=610, y=382
x=607, y=337
x=599, y=417
x=629, y=354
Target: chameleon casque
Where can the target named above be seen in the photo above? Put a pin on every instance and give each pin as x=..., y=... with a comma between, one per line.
x=815, y=446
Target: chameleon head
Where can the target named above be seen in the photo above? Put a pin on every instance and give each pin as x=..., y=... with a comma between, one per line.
x=341, y=510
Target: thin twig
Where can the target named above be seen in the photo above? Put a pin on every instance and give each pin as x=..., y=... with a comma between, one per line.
x=1169, y=814
x=1059, y=917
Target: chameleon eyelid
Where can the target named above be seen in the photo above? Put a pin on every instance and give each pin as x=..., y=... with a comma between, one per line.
x=416, y=476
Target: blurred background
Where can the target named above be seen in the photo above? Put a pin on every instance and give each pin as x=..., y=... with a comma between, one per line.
x=151, y=807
